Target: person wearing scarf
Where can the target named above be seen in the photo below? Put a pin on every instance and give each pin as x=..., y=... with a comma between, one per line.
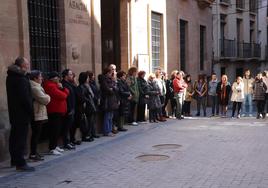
x=223, y=91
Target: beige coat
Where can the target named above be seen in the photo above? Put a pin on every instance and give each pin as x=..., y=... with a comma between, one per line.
x=248, y=85
x=41, y=99
x=238, y=92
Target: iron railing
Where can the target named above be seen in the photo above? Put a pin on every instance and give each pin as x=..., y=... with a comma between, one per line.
x=233, y=49
x=253, y=6
x=240, y=4
x=225, y=1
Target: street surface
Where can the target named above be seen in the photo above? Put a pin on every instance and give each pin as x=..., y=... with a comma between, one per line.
x=209, y=153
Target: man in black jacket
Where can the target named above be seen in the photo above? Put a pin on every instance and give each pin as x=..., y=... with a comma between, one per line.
x=20, y=110
x=68, y=122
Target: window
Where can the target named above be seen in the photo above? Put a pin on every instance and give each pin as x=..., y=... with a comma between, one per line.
x=156, y=40
x=240, y=4
x=202, y=46
x=44, y=34
x=183, y=25
x=223, y=70
x=239, y=72
x=253, y=6
x=251, y=32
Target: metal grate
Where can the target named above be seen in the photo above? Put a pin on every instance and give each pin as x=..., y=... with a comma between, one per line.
x=44, y=34
x=156, y=40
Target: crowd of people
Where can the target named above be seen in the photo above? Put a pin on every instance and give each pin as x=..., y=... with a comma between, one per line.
x=65, y=103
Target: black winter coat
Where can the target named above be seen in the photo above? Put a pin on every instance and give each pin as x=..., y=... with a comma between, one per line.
x=259, y=90
x=124, y=93
x=143, y=90
x=19, y=96
x=109, y=94
x=96, y=92
x=85, y=102
x=71, y=99
x=170, y=91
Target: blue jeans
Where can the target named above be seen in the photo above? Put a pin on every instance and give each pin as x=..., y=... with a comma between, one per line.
x=215, y=104
x=247, y=102
x=108, y=122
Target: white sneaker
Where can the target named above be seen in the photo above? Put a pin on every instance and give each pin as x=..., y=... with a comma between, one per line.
x=55, y=152
x=59, y=149
x=134, y=123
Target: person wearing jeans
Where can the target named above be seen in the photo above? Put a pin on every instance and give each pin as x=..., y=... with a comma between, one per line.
x=179, y=89
x=212, y=87
x=248, y=84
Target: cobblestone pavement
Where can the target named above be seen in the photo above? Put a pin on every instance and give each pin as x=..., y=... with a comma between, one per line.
x=218, y=152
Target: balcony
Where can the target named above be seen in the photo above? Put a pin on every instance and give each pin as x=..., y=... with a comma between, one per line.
x=225, y=2
x=240, y=5
x=240, y=50
x=204, y=3
x=253, y=6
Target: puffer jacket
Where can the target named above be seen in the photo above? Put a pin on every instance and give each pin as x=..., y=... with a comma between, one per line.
x=58, y=102
x=238, y=92
x=41, y=99
x=259, y=90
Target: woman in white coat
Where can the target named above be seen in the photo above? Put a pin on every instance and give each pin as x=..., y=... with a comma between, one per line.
x=237, y=96
x=40, y=100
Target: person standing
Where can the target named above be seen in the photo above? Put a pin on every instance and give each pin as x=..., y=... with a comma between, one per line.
x=162, y=86
x=154, y=102
x=237, y=96
x=20, y=109
x=133, y=86
x=143, y=90
x=188, y=96
x=265, y=80
x=40, y=100
x=109, y=99
x=201, y=88
x=223, y=92
x=68, y=121
x=179, y=88
x=259, y=90
x=212, y=86
x=56, y=109
x=248, y=89
x=125, y=96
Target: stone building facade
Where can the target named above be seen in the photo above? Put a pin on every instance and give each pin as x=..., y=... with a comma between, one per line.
x=239, y=27
x=91, y=34
x=189, y=28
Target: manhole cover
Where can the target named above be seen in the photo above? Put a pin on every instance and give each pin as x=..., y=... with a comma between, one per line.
x=167, y=146
x=152, y=157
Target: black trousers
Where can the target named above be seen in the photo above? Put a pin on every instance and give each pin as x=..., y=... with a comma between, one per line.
x=36, y=131
x=91, y=131
x=238, y=104
x=55, y=125
x=186, y=107
x=173, y=106
x=163, y=109
x=131, y=115
x=141, y=111
x=260, y=106
x=17, y=143
x=68, y=123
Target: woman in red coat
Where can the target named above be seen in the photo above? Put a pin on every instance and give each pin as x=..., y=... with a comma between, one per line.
x=56, y=109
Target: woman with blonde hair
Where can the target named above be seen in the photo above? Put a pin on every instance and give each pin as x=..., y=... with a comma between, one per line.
x=223, y=91
x=237, y=96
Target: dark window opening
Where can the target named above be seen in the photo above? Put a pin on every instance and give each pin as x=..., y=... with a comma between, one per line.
x=183, y=25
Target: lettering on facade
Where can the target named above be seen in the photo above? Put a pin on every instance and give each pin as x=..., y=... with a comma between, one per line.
x=74, y=4
x=80, y=9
